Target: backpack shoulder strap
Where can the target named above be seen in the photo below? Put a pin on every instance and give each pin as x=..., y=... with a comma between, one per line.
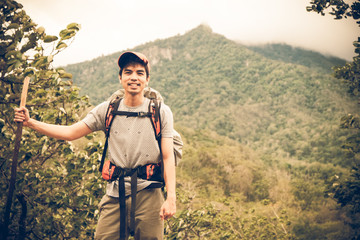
x=109, y=118
x=154, y=109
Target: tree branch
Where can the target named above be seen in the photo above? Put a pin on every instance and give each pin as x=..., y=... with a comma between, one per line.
x=282, y=225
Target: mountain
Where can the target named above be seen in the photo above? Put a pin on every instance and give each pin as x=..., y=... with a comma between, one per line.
x=300, y=56
x=277, y=104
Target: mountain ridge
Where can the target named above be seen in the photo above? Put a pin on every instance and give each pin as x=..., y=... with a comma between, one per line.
x=298, y=55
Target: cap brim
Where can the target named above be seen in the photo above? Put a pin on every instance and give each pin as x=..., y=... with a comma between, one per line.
x=123, y=59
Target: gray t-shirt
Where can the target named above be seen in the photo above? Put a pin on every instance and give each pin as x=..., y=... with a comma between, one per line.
x=132, y=140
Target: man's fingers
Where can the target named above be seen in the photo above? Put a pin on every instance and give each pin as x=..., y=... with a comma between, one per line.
x=167, y=210
x=162, y=211
x=19, y=114
x=165, y=215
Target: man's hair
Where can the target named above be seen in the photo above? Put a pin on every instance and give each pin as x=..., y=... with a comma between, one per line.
x=133, y=59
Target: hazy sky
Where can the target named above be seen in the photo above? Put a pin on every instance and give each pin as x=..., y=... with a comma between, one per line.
x=109, y=26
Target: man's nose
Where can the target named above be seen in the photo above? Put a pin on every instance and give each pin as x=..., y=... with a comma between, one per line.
x=134, y=76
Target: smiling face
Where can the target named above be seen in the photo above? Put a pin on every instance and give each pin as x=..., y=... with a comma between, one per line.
x=134, y=79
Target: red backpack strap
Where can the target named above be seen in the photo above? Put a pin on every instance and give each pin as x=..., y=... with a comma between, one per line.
x=109, y=118
x=154, y=109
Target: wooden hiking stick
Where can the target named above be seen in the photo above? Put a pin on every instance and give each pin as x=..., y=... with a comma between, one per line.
x=15, y=161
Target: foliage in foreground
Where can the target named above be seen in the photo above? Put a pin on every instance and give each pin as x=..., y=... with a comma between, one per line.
x=212, y=223
x=53, y=198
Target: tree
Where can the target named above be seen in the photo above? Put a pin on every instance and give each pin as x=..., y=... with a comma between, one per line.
x=339, y=9
x=57, y=189
x=347, y=192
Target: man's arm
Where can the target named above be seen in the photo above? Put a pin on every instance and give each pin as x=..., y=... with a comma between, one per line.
x=168, y=209
x=68, y=133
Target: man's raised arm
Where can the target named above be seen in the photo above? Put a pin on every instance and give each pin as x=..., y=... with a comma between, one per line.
x=67, y=133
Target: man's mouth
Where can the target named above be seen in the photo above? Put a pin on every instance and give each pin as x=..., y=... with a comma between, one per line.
x=134, y=84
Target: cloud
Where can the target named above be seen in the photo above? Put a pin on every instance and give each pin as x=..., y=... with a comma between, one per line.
x=113, y=25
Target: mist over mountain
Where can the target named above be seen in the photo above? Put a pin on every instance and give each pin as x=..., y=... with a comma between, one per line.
x=300, y=56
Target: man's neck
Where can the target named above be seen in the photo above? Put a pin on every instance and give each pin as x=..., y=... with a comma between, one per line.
x=133, y=100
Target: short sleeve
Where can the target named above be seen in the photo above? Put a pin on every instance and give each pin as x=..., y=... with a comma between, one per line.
x=95, y=119
x=167, y=121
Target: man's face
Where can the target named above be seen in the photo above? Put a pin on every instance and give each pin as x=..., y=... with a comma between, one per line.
x=133, y=78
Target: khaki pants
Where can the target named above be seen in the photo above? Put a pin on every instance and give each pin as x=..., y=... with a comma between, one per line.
x=148, y=224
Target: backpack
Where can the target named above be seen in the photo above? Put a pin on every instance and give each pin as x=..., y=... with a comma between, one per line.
x=154, y=108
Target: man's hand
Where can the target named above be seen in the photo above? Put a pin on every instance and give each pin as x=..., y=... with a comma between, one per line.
x=22, y=115
x=168, y=209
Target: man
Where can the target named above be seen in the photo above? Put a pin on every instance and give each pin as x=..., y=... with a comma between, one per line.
x=131, y=144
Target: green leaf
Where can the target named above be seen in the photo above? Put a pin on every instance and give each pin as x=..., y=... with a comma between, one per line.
x=49, y=38
x=29, y=26
x=11, y=53
x=74, y=26
x=29, y=72
x=61, y=45
x=13, y=26
x=67, y=34
x=50, y=58
x=40, y=61
x=66, y=75
x=40, y=30
x=15, y=64
x=28, y=46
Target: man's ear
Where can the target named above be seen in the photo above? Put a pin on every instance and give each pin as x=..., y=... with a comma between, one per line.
x=119, y=77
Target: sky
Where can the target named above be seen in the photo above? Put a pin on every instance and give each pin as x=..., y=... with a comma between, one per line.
x=110, y=26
